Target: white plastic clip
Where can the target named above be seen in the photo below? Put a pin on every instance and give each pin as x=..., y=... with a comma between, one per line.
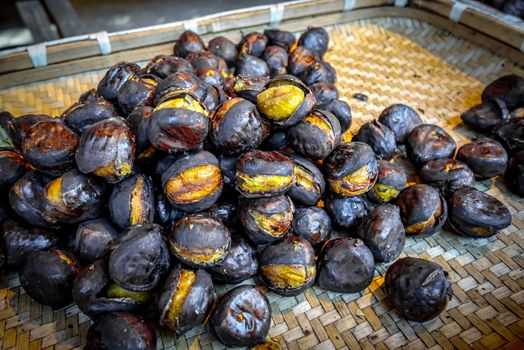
x=456, y=11
x=103, y=42
x=348, y=5
x=38, y=55
x=191, y=24
x=276, y=14
x=401, y=3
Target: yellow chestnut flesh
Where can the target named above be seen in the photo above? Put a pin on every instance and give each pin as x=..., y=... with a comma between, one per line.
x=115, y=291
x=185, y=102
x=187, y=278
x=275, y=225
x=263, y=183
x=288, y=276
x=54, y=193
x=355, y=183
x=194, y=184
x=321, y=124
x=385, y=193
x=280, y=102
x=305, y=179
x=421, y=226
x=203, y=256
x=137, y=199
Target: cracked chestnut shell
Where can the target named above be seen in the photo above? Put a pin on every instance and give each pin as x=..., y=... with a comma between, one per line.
x=418, y=288
x=285, y=100
x=288, y=267
x=347, y=212
x=351, y=169
x=18, y=127
x=379, y=137
x=138, y=120
x=176, y=83
x=515, y=173
x=185, y=299
x=264, y=174
x=280, y=38
x=132, y=201
x=48, y=276
x=193, y=182
x=199, y=240
x=313, y=224
x=164, y=65
x=248, y=65
x=12, y=167
x=276, y=58
x=81, y=115
x=316, y=39
x=242, y=317
x=266, y=220
x=239, y=264
x=428, y=142
x=252, y=44
x=107, y=150
x=225, y=48
x=300, y=59
x=509, y=88
x=383, y=233
x=346, y=266
x=249, y=87
x=179, y=123
x=88, y=96
x=236, y=127
x=50, y=147
x=400, y=119
x=423, y=210
x=316, y=136
x=448, y=175
x=122, y=331
x=140, y=258
x=309, y=185
x=137, y=90
x=115, y=78
x=476, y=214
x=485, y=157
x=188, y=42
x=93, y=239
x=324, y=93
x=318, y=72
x=20, y=240
x=483, y=117
x=511, y=135
x=341, y=110
x=391, y=180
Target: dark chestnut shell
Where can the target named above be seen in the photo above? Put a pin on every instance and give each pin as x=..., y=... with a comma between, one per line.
x=318, y=72
x=138, y=121
x=252, y=44
x=448, y=175
x=324, y=93
x=400, y=119
x=347, y=212
x=485, y=157
x=248, y=87
x=137, y=90
x=227, y=212
x=313, y=224
x=316, y=39
x=178, y=82
x=164, y=65
x=418, y=288
x=120, y=331
x=300, y=59
x=291, y=251
x=476, y=214
x=114, y=78
x=81, y=115
x=12, y=167
x=19, y=126
x=483, y=117
x=249, y=65
x=511, y=135
x=391, y=179
x=140, y=258
x=48, y=275
x=188, y=42
x=223, y=47
x=280, y=38
x=346, y=266
x=278, y=140
x=509, y=88
x=93, y=239
x=242, y=317
x=309, y=185
x=383, y=233
x=341, y=110
x=379, y=137
x=132, y=201
x=239, y=264
x=427, y=142
x=88, y=95
x=515, y=173
x=276, y=58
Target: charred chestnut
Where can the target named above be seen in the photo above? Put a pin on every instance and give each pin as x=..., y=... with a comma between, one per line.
x=418, y=288
x=383, y=233
x=264, y=174
x=278, y=140
x=239, y=264
x=316, y=39
x=515, y=173
x=509, y=88
x=93, y=239
x=248, y=65
x=288, y=267
x=309, y=185
x=422, y=209
x=346, y=266
x=138, y=121
x=199, y=240
x=379, y=137
x=115, y=78
x=18, y=127
x=318, y=72
x=285, y=100
x=391, y=180
x=120, y=331
x=82, y=115
x=276, y=58
x=228, y=167
x=427, y=142
x=225, y=48
x=351, y=169
x=184, y=299
x=193, y=182
x=341, y=110
x=137, y=90
x=88, y=96
x=242, y=317
x=486, y=157
x=347, y=212
x=12, y=167
x=48, y=276
x=188, y=42
x=164, y=65
x=227, y=212
x=107, y=149
x=249, y=87
x=511, y=135
x=299, y=60
x=476, y=214
x=483, y=117
x=176, y=83
x=313, y=224
x=132, y=201
x=400, y=119
x=140, y=258
x=280, y=38
x=252, y=44
x=448, y=175
x=324, y=93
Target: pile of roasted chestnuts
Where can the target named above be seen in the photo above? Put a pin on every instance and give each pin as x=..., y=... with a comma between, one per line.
x=225, y=162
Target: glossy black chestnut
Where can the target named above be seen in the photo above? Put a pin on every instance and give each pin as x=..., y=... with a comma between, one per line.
x=485, y=157
x=12, y=167
x=223, y=47
x=19, y=126
x=252, y=44
x=132, y=201
x=316, y=39
x=280, y=38
x=515, y=173
x=239, y=264
x=511, y=135
x=347, y=212
x=81, y=115
x=391, y=180
x=309, y=185
x=115, y=78
x=427, y=142
x=248, y=65
x=483, y=117
x=324, y=93
x=276, y=58
x=249, y=87
x=400, y=119
x=299, y=60
x=509, y=88
x=188, y=42
x=341, y=110
x=164, y=65
x=379, y=137
x=137, y=90
x=94, y=239
x=313, y=224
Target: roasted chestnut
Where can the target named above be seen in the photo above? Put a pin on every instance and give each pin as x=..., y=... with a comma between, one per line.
x=227, y=212
x=324, y=93
x=203, y=61
x=50, y=147
x=93, y=239
x=249, y=87
x=318, y=72
x=20, y=240
x=184, y=299
x=309, y=185
x=509, y=88
x=115, y=78
x=12, y=167
x=252, y=44
x=281, y=38
x=278, y=140
x=81, y=115
x=239, y=264
x=383, y=233
x=223, y=47
x=313, y=224
x=228, y=167
x=138, y=121
x=132, y=201
x=120, y=330
x=18, y=127
x=188, y=42
x=515, y=173
x=88, y=96
x=379, y=137
x=300, y=59
x=483, y=117
x=448, y=175
x=418, y=288
x=248, y=65
x=288, y=267
x=266, y=220
x=193, y=182
x=242, y=317
x=316, y=39
x=264, y=174
x=316, y=136
x=347, y=212
x=178, y=82
x=486, y=157
x=476, y=214
x=107, y=149
x=285, y=100
x=140, y=258
x=427, y=142
x=137, y=90
x=276, y=58
x=164, y=65
x=351, y=169
x=179, y=123
x=341, y=110
x=400, y=119
x=422, y=209
x=391, y=180
x=511, y=135
x=48, y=276
x=165, y=214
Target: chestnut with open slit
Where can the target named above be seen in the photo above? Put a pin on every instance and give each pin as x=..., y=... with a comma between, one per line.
x=309, y=185
x=391, y=180
x=448, y=175
x=81, y=115
x=485, y=157
x=115, y=78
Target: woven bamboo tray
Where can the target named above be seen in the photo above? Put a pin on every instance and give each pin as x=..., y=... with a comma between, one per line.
x=391, y=60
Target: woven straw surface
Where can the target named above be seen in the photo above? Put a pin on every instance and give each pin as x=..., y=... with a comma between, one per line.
x=389, y=60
